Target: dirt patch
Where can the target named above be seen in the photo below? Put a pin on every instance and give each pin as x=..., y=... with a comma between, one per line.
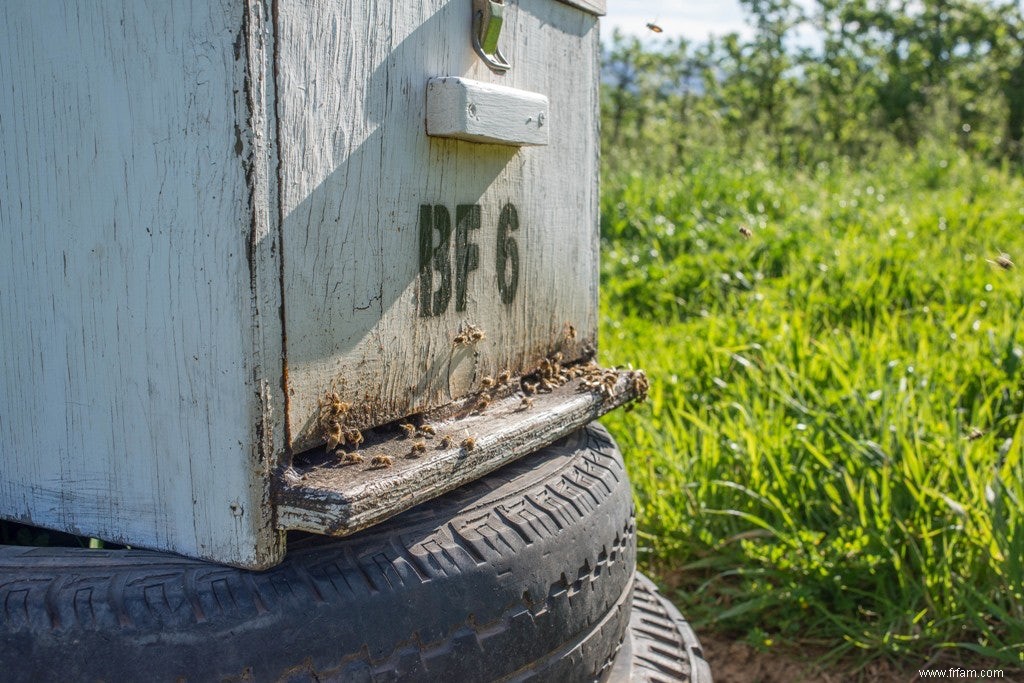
x=737, y=662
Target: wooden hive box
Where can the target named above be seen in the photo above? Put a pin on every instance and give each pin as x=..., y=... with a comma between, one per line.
x=215, y=214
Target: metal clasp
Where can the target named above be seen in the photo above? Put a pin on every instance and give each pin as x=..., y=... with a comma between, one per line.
x=488, y=16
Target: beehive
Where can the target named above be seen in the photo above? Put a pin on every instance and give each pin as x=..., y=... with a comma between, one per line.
x=215, y=214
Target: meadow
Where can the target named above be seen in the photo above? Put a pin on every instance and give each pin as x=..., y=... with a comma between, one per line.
x=831, y=453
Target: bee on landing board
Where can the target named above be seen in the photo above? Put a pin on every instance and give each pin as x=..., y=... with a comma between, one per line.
x=353, y=437
x=353, y=458
x=381, y=461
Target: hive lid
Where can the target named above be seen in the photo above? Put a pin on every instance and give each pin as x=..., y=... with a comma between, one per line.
x=598, y=7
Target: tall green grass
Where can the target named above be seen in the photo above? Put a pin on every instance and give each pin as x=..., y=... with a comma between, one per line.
x=832, y=450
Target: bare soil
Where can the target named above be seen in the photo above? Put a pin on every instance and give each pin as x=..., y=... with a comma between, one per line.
x=738, y=662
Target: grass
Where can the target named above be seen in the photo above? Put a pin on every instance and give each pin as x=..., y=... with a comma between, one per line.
x=832, y=450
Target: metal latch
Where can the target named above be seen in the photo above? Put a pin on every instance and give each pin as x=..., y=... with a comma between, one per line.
x=488, y=16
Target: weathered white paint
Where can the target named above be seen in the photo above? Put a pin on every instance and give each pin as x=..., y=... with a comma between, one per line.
x=179, y=179
x=139, y=334
x=599, y=7
x=482, y=112
x=356, y=168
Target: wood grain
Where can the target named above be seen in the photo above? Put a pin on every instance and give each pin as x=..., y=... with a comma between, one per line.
x=135, y=392
x=357, y=170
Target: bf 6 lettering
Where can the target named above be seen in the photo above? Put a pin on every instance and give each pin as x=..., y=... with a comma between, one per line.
x=436, y=265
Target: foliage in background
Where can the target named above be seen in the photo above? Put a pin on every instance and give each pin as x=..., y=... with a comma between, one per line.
x=832, y=452
x=878, y=71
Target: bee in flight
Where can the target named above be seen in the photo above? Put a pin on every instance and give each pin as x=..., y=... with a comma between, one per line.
x=653, y=26
x=1003, y=260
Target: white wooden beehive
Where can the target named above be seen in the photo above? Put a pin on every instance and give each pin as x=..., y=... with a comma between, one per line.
x=213, y=214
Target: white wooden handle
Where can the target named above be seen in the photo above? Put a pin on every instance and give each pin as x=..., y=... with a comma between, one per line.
x=483, y=112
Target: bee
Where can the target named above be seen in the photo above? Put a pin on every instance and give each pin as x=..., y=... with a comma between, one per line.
x=381, y=461
x=483, y=403
x=487, y=382
x=446, y=441
x=570, y=332
x=476, y=334
x=639, y=383
x=526, y=403
x=428, y=429
x=353, y=437
x=332, y=408
x=653, y=27
x=469, y=443
x=746, y=232
x=335, y=436
x=504, y=377
x=530, y=387
x=546, y=385
x=460, y=339
x=1003, y=260
x=975, y=434
x=557, y=357
x=418, y=448
x=353, y=458
x=407, y=429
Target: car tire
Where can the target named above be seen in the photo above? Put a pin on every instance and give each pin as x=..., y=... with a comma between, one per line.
x=660, y=646
x=525, y=574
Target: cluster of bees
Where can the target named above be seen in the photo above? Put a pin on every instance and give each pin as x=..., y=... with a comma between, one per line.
x=603, y=382
x=549, y=375
x=331, y=417
x=471, y=334
x=427, y=431
x=600, y=381
x=332, y=421
x=488, y=383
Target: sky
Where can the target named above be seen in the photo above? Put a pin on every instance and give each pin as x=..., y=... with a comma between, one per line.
x=693, y=19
